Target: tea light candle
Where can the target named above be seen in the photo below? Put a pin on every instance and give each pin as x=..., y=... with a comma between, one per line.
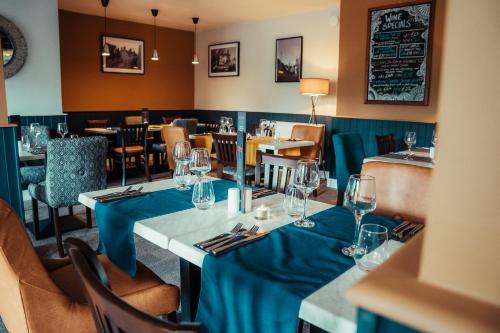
x=248, y=200
x=262, y=213
x=233, y=200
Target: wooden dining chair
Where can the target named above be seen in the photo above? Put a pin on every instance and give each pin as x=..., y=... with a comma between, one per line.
x=225, y=151
x=112, y=314
x=132, y=120
x=171, y=135
x=315, y=133
x=167, y=120
x=191, y=124
x=386, y=144
x=98, y=123
x=278, y=171
x=133, y=139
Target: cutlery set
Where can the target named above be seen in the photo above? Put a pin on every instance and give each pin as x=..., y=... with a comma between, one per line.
x=127, y=193
x=238, y=236
x=262, y=192
x=405, y=231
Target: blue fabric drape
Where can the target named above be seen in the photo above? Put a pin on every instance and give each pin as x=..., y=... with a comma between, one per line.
x=116, y=219
x=259, y=287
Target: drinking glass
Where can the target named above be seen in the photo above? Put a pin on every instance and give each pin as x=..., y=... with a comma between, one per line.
x=182, y=152
x=263, y=123
x=229, y=122
x=360, y=199
x=306, y=179
x=203, y=195
x=434, y=138
x=200, y=162
x=62, y=129
x=276, y=136
x=182, y=176
x=410, y=140
x=223, y=125
x=35, y=131
x=25, y=142
x=293, y=202
x=258, y=131
x=371, y=246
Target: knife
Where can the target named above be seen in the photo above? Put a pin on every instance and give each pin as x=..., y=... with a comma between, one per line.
x=241, y=242
x=399, y=227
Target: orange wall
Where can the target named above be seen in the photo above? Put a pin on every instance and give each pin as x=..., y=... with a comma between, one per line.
x=167, y=84
x=352, y=66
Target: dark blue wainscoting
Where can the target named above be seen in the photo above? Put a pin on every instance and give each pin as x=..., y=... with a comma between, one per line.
x=368, y=128
x=10, y=179
x=369, y=322
x=50, y=121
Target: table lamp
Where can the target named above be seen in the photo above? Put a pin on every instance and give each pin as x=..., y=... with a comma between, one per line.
x=314, y=88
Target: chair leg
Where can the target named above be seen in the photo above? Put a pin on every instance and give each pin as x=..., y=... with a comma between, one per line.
x=57, y=228
x=124, y=171
x=89, y=217
x=146, y=167
x=36, y=218
x=70, y=210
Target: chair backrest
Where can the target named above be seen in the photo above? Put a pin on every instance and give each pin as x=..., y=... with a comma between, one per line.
x=112, y=314
x=402, y=189
x=134, y=135
x=132, y=120
x=43, y=138
x=225, y=148
x=211, y=126
x=98, y=123
x=314, y=133
x=386, y=144
x=349, y=155
x=171, y=135
x=278, y=171
x=167, y=120
x=191, y=124
x=74, y=166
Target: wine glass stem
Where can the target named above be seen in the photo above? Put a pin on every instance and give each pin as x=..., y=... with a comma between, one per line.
x=357, y=217
x=306, y=195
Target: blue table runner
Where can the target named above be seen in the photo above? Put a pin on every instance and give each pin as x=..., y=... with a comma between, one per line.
x=116, y=219
x=259, y=287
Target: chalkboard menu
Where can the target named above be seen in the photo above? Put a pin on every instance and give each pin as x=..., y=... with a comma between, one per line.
x=399, y=53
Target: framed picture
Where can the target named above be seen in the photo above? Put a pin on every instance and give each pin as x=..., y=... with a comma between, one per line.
x=399, y=49
x=288, y=59
x=224, y=59
x=125, y=55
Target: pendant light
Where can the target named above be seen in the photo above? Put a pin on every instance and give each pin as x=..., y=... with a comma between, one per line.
x=155, y=56
x=105, y=47
x=195, y=57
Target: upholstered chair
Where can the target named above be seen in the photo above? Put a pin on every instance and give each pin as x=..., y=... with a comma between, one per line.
x=33, y=174
x=43, y=295
x=171, y=135
x=349, y=155
x=401, y=189
x=74, y=166
x=191, y=124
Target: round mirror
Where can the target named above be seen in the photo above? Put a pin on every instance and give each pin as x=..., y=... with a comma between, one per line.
x=15, y=50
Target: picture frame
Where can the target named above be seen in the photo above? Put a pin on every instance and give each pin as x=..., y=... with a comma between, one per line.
x=399, y=53
x=288, y=59
x=224, y=59
x=126, y=55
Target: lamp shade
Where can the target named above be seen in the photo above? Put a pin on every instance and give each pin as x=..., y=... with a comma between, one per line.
x=314, y=87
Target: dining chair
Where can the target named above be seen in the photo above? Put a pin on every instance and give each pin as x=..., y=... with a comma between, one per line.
x=133, y=144
x=191, y=124
x=402, y=189
x=315, y=133
x=386, y=144
x=98, y=123
x=110, y=312
x=171, y=135
x=42, y=295
x=132, y=120
x=32, y=175
x=225, y=151
x=349, y=155
x=278, y=171
x=74, y=166
x=167, y=120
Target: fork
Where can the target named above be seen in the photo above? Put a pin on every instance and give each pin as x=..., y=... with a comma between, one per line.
x=220, y=237
x=250, y=233
x=113, y=193
x=232, y=238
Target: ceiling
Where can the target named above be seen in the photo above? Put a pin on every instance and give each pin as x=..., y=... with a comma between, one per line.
x=213, y=13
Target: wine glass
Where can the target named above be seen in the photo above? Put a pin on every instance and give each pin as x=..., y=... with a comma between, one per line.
x=203, y=195
x=371, y=246
x=410, y=139
x=199, y=163
x=263, y=123
x=360, y=199
x=229, y=122
x=182, y=176
x=293, y=202
x=35, y=131
x=306, y=179
x=182, y=152
x=62, y=129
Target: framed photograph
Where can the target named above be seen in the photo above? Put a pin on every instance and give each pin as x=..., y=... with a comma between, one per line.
x=224, y=59
x=288, y=59
x=125, y=55
x=399, y=49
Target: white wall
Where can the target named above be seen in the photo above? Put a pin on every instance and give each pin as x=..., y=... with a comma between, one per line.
x=36, y=88
x=255, y=89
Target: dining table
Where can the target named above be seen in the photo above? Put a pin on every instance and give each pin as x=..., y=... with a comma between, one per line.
x=114, y=130
x=178, y=231
x=26, y=156
x=419, y=157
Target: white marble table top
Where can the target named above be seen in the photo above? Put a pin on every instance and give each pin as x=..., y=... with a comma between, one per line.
x=275, y=146
x=421, y=153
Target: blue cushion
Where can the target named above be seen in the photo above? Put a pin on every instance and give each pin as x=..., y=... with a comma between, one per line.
x=349, y=156
x=32, y=175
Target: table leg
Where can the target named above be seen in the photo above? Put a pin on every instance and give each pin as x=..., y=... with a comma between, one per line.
x=190, y=289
